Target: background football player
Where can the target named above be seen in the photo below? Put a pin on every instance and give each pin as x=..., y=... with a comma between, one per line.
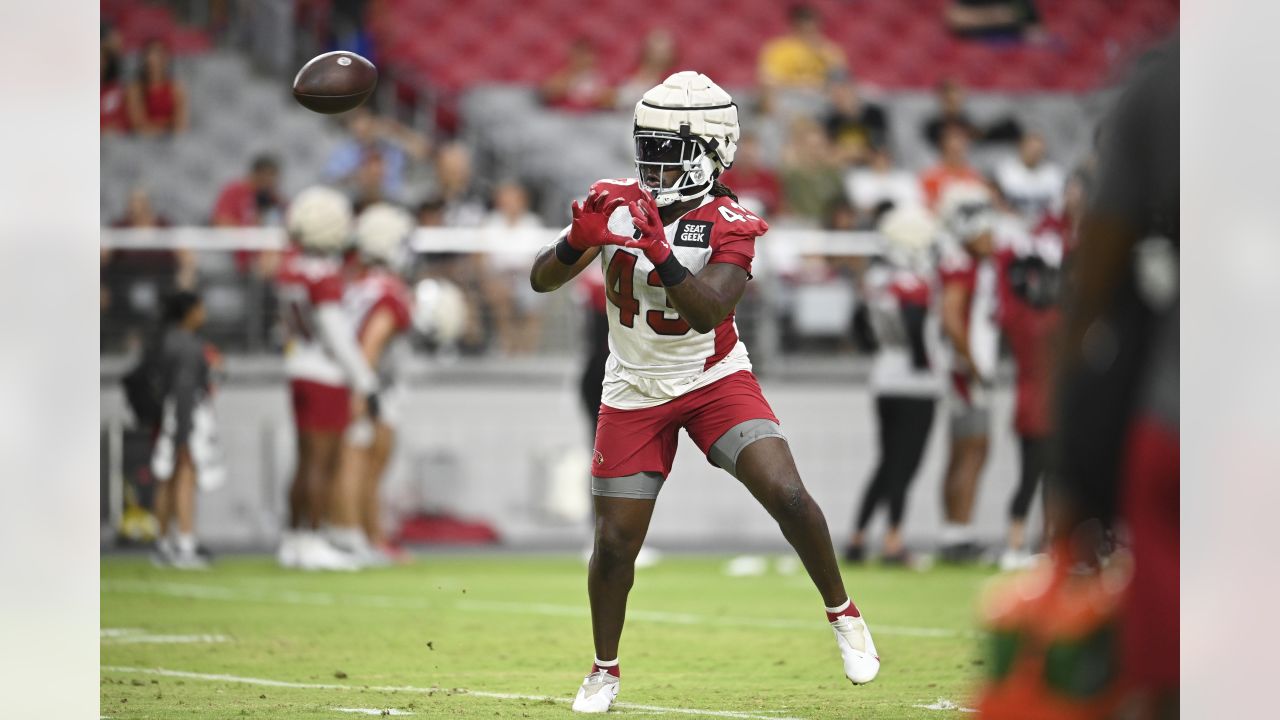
x=676, y=250
x=329, y=380
x=378, y=303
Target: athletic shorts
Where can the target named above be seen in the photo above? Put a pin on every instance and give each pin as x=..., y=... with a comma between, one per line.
x=629, y=442
x=320, y=408
x=970, y=407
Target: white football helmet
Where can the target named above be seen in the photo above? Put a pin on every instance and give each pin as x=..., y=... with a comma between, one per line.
x=687, y=122
x=439, y=310
x=909, y=232
x=319, y=218
x=967, y=211
x=381, y=231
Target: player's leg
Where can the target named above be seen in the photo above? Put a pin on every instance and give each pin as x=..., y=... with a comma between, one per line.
x=343, y=527
x=969, y=423
x=1032, y=450
x=384, y=439
x=733, y=424
x=916, y=417
x=620, y=528
x=633, y=453
x=183, y=500
x=876, y=486
x=163, y=508
x=768, y=471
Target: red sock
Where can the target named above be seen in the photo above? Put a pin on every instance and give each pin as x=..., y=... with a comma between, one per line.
x=613, y=669
x=847, y=608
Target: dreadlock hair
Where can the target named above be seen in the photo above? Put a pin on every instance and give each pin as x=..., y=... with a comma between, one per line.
x=719, y=189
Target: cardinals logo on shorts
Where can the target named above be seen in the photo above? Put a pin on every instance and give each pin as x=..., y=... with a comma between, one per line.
x=599, y=458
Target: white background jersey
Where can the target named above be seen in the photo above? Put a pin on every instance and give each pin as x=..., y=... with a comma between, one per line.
x=304, y=283
x=887, y=290
x=654, y=355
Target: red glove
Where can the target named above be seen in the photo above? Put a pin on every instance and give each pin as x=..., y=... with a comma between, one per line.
x=590, y=226
x=653, y=237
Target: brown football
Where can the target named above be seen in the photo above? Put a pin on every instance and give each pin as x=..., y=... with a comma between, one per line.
x=335, y=82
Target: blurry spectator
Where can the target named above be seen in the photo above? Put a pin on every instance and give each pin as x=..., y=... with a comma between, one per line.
x=810, y=178
x=657, y=61
x=755, y=184
x=880, y=182
x=134, y=281
x=253, y=201
x=950, y=95
x=802, y=58
x=994, y=19
x=370, y=134
x=1031, y=184
x=113, y=116
x=157, y=102
x=579, y=85
x=514, y=304
x=366, y=184
x=954, y=166
x=186, y=455
x=455, y=183
x=431, y=212
x=853, y=126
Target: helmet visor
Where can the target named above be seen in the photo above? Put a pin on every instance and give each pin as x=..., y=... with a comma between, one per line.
x=658, y=153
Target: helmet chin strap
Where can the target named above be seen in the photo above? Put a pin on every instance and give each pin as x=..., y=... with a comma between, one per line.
x=704, y=171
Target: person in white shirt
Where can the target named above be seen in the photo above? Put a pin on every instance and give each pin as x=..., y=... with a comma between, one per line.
x=880, y=182
x=1030, y=183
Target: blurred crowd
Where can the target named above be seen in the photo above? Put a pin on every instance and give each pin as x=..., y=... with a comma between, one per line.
x=829, y=164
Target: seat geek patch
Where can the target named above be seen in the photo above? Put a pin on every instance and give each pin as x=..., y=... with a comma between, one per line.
x=693, y=233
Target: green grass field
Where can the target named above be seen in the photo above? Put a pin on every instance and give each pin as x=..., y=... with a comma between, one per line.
x=508, y=636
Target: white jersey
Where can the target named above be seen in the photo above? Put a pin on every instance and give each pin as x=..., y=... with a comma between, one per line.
x=889, y=292
x=654, y=356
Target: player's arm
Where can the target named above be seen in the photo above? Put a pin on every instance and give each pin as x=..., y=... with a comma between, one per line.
x=578, y=244
x=337, y=335
x=378, y=332
x=955, y=297
x=706, y=299
x=554, y=267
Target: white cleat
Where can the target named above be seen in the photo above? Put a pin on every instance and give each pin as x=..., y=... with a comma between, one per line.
x=315, y=553
x=287, y=555
x=598, y=691
x=861, y=662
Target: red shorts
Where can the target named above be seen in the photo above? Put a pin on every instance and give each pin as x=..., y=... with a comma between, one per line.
x=636, y=441
x=320, y=408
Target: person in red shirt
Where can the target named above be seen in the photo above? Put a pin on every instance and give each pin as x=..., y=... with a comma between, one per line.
x=1030, y=278
x=377, y=303
x=252, y=201
x=954, y=166
x=113, y=118
x=157, y=101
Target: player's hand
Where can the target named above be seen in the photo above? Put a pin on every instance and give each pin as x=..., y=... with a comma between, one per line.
x=590, y=226
x=359, y=405
x=653, y=236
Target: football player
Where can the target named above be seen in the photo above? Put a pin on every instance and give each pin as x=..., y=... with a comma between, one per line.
x=378, y=303
x=329, y=380
x=676, y=250
x=969, y=281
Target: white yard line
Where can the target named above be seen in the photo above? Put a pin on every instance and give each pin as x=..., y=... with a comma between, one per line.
x=372, y=711
x=457, y=692
x=289, y=597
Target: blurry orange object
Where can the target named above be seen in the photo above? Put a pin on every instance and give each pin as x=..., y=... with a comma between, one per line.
x=1054, y=643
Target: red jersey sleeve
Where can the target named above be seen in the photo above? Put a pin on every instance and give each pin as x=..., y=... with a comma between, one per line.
x=325, y=288
x=733, y=239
